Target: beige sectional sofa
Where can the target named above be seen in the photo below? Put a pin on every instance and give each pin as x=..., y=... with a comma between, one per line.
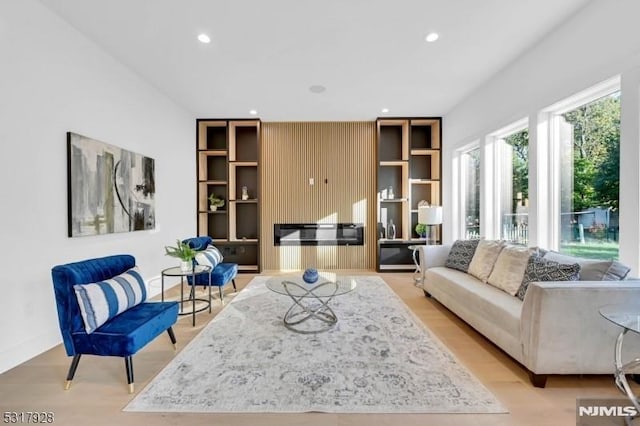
x=555, y=329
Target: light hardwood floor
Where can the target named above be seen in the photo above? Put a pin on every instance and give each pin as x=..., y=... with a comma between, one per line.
x=99, y=390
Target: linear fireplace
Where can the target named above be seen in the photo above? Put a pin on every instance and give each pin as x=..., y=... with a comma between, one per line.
x=318, y=234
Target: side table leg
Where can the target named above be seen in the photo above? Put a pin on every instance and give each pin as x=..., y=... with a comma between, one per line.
x=162, y=287
x=193, y=298
x=417, y=274
x=622, y=369
x=181, y=294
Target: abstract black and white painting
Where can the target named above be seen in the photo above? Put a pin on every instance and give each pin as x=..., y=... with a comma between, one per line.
x=110, y=189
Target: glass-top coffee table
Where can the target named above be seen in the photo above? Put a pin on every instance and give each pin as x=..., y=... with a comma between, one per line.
x=310, y=311
x=626, y=316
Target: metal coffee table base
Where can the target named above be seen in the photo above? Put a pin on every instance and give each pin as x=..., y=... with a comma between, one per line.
x=309, y=306
x=621, y=373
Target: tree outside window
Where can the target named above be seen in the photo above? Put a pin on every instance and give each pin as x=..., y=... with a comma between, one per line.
x=590, y=178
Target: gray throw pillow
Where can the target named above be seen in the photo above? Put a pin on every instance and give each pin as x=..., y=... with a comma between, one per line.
x=592, y=269
x=541, y=269
x=460, y=255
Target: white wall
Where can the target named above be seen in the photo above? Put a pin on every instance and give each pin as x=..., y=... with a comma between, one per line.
x=54, y=80
x=600, y=41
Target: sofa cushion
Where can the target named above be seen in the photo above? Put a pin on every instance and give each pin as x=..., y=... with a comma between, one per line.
x=484, y=258
x=210, y=257
x=508, y=271
x=461, y=253
x=103, y=300
x=489, y=310
x=542, y=269
x=592, y=269
x=224, y=273
x=129, y=331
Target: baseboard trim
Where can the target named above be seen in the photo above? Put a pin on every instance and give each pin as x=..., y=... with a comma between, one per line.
x=27, y=349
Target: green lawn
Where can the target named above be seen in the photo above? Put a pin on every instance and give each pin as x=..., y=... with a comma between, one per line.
x=592, y=249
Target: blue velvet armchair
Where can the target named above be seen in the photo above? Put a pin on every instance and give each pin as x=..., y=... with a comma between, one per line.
x=123, y=334
x=221, y=274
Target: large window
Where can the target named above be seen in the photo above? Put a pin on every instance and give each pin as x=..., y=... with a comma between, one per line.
x=564, y=158
x=589, y=145
x=514, y=187
x=470, y=162
x=506, y=200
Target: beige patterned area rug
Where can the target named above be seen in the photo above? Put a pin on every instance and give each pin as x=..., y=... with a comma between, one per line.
x=378, y=358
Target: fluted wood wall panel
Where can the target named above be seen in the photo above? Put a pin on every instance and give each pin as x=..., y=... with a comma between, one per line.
x=340, y=157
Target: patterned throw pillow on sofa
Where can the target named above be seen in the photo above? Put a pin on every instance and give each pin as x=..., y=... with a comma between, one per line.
x=541, y=269
x=460, y=255
x=593, y=269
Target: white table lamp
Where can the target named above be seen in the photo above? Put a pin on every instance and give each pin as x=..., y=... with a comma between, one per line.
x=430, y=216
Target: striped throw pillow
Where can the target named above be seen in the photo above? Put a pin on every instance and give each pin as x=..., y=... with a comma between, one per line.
x=101, y=301
x=209, y=257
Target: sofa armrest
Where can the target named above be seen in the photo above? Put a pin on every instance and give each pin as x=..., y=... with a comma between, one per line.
x=562, y=330
x=433, y=255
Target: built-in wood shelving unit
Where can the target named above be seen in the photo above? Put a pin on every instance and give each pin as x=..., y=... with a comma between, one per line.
x=228, y=153
x=409, y=164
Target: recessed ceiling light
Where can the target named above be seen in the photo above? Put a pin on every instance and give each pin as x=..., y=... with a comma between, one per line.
x=253, y=112
x=431, y=37
x=204, y=38
x=385, y=110
x=317, y=88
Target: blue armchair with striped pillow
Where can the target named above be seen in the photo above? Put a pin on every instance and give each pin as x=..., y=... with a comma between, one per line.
x=102, y=310
x=207, y=254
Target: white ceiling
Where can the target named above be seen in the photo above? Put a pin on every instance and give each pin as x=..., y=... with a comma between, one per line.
x=265, y=55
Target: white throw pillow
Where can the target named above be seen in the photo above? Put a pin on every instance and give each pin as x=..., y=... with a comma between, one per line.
x=484, y=258
x=509, y=269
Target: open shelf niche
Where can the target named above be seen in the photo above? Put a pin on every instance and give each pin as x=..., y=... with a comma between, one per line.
x=408, y=172
x=228, y=153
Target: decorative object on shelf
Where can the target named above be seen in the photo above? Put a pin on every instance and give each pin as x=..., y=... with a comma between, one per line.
x=382, y=230
x=391, y=230
x=215, y=202
x=310, y=275
x=421, y=230
x=430, y=216
x=383, y=194
x=111, y=189
x=390, y=193
x=245, y=193
x=183, y=252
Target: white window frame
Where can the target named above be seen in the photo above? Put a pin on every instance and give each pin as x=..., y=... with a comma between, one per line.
x=549, y=140
x=459, y=211
x=490, y=217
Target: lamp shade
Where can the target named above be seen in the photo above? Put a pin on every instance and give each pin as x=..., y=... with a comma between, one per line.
x=430, y=215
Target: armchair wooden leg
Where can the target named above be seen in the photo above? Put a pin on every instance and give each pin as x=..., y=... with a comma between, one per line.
x=233, y=281
x=220, y=291
x=128, y=363
x=72, y=371
x=172, y=336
